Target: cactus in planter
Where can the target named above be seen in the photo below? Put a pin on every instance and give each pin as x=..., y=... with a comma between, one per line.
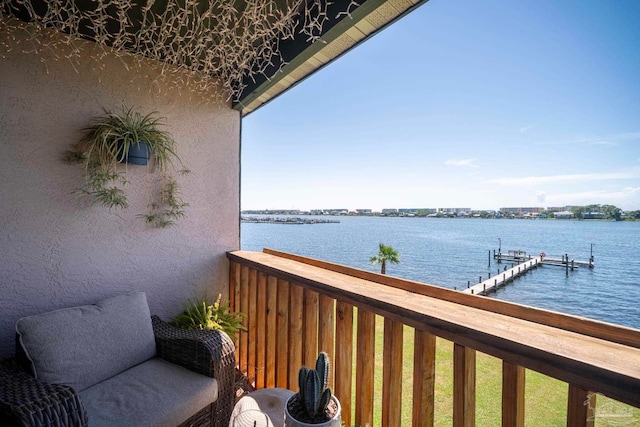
x=313, y=403
x=314, y=393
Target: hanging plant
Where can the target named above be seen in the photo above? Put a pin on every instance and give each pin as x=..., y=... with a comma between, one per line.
x=110, y=141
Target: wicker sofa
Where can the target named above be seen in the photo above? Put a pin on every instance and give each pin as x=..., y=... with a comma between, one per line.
x=112, y=364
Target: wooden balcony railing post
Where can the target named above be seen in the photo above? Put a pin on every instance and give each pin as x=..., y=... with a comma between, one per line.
x=234, y=298
x=424, y=374
x=272, y=330
x=243, y=348
x=253, y=325
x=296, y=306
x=234, y=285
x=344, y=358
x=578, y=403
x=261, y=331
x=310, y=330
x=365, y=368
x=392, y=374
x=282, y=324
x=464, y=386
x=591, y=409
x=513, y=379
x=326, y=330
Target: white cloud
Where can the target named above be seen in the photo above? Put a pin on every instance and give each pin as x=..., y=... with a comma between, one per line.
x=605, y=143
x=579, y=177
x=631, y=190
x=541, y=196
x=524, y=129
x=460, y=163
x=627, y=198
x=607, y=140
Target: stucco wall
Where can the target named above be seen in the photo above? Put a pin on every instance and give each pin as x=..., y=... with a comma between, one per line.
x=58, y=250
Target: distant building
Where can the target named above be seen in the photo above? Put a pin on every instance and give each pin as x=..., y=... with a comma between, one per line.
x=521, y=211
x=593, y=215
x=363, y=211
x=483, y=214
x=389, y=211
x=454, y=211
x=563, y=215
x=416, y=211
x=273, y=212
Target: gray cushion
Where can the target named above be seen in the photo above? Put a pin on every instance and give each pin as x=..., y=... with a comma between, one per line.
x=82, y=346
x=155, y=393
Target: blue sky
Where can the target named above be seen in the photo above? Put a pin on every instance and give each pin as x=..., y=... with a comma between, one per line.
x=462, y=103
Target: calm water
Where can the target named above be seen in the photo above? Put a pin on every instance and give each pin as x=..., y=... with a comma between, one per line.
x=450, y=252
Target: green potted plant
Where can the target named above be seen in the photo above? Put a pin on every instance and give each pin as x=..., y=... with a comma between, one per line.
x=314, y=405
x=205, y=315
x=127, y=136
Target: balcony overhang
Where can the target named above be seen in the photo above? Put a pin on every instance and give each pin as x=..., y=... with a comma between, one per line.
x=256, y=49
x=343, y=34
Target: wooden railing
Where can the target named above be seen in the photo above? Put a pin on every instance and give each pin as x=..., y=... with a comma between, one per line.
x=298, y=306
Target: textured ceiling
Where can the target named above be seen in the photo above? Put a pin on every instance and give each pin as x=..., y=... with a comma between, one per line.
x=255, y=48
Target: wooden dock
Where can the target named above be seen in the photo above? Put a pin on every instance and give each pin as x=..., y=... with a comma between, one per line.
x=562, y=262
x=522, y=256
x=525, y=263
x=504, y=277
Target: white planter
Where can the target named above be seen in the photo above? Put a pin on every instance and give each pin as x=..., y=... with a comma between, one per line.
x=336, y=421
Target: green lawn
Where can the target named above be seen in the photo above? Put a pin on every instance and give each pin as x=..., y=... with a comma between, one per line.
x=545, y=397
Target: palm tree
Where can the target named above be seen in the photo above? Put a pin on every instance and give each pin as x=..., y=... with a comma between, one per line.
x=385, y=254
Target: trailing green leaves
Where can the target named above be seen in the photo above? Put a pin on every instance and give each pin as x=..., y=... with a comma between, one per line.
x=170, y=208
x=105, y=144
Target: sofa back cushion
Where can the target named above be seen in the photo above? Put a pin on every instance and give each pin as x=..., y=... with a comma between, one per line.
x=82, y=346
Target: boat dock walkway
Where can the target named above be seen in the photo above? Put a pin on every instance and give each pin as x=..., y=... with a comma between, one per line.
x=525, y=262
x=505, y=277
x=521, y=257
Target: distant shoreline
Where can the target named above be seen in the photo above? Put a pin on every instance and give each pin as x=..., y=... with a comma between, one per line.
x=287, y=220
x=294, y=218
